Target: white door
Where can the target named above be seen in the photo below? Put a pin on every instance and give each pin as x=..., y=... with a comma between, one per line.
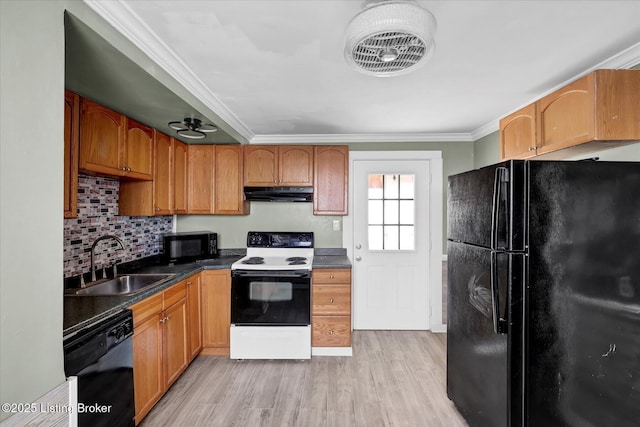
x=391, y=244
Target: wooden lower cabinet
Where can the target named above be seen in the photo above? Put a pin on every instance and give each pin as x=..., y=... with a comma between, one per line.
x=194, y=299
x=161, y=350
x=147, y=365
x=331, y=308
x=176, y=347
x=216, y=311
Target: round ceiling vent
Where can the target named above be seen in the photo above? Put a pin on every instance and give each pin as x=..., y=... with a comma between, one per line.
x=388, y=38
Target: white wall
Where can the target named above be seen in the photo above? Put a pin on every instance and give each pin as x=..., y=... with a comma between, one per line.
x=31, y=181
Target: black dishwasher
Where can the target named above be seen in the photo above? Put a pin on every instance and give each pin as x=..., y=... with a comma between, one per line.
x=101, y=356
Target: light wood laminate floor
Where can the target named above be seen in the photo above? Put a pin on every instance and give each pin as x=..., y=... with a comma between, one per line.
x=395, y=378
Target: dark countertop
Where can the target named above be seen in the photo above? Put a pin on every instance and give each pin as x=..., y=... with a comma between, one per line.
x=331, y=261
x=82, y=311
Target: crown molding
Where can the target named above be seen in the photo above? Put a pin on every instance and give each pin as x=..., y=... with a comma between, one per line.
x=360, y=138
x=127, y=22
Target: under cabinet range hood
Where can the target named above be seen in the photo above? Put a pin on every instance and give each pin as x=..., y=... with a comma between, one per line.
x=279, y=194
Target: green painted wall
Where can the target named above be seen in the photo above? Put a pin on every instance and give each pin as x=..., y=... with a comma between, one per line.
x=456, y=157
x=31, y=181
x=486, y=150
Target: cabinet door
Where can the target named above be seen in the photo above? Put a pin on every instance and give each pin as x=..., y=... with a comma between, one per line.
x=194, y=315
x=200, y=183
x=163, y=175
x=518, y=134
x=295, y=166
x=175, y=340
x=229, y=195
x=138, y=152
x=101, y=139
x=566, y=116
x=147, y=365
x=71, y=142
x=179, y=177
x=331, y=180
x=260, y=165
x=216, y=311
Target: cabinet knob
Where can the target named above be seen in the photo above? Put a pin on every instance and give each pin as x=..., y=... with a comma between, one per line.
x=330, y=332
x=188, y=282
x=128, y=169
x=332, y=276
x=157, y=208
x=358, y=258
x=331, y=300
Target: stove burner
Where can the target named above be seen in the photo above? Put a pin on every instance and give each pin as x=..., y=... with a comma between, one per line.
x=254, y=260
x=298, y=262
x=296, y=259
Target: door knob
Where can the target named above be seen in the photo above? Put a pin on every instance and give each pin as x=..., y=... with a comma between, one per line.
x=358, y=258
x=358, y=246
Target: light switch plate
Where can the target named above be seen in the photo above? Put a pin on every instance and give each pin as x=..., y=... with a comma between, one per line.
x=336, y=225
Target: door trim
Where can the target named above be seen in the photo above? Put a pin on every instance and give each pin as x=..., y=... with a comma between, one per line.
x=436, y=192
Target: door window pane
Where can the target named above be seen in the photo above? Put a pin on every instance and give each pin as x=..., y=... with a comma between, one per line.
x=375, y=212
x=391, y=234
x=391, y=216
x=375, y=238
x=391, y=211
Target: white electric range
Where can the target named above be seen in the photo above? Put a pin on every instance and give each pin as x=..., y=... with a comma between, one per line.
x=271, y=297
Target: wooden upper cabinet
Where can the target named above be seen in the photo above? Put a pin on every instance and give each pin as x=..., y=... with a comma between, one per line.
x=331, y=180
x=597, y=111
x=111, y=144
x=295, y=165
x=138, y=151
x=102, y=134
x=71, y=143
x=284, y=165
x=518, y=134
x=229, y=194
x=601, y=106
x=260, y=165
x=163, y=175
x=179, y=177
x=200, y=184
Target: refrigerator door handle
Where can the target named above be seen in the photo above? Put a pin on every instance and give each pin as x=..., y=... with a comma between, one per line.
x=501, y=176
x=499, y=323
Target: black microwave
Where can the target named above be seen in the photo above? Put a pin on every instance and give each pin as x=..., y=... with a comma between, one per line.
x=189, y=246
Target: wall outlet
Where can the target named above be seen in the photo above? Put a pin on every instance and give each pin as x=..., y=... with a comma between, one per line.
x=336, y=225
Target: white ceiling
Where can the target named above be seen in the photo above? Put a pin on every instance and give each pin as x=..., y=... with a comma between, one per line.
x=275, y=71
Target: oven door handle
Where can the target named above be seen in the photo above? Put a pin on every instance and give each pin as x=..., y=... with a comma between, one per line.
x=270, y=273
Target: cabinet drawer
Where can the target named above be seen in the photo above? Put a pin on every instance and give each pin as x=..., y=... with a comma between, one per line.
x=331, y=299
x=330, y=276
x=146, y=308
x=174, y=294
x=331, y=331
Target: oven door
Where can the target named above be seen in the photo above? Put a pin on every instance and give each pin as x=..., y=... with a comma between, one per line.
x=270, y=298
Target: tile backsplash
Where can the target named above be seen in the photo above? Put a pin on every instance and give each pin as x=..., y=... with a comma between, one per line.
x=97, y=216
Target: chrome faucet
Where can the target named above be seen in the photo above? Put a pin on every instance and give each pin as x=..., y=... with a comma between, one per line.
x=93, y=249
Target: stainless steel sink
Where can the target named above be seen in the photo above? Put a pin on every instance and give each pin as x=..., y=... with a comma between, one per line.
x=129, y=284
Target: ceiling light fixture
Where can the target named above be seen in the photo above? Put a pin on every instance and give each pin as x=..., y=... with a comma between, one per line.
x=192, y=128
x=389, y=38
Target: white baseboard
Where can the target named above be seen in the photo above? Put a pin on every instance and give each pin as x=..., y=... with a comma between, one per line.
x=440, y=328
x=331, y=351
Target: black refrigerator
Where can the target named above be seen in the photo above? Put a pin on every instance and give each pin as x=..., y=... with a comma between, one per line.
x=543, y=297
